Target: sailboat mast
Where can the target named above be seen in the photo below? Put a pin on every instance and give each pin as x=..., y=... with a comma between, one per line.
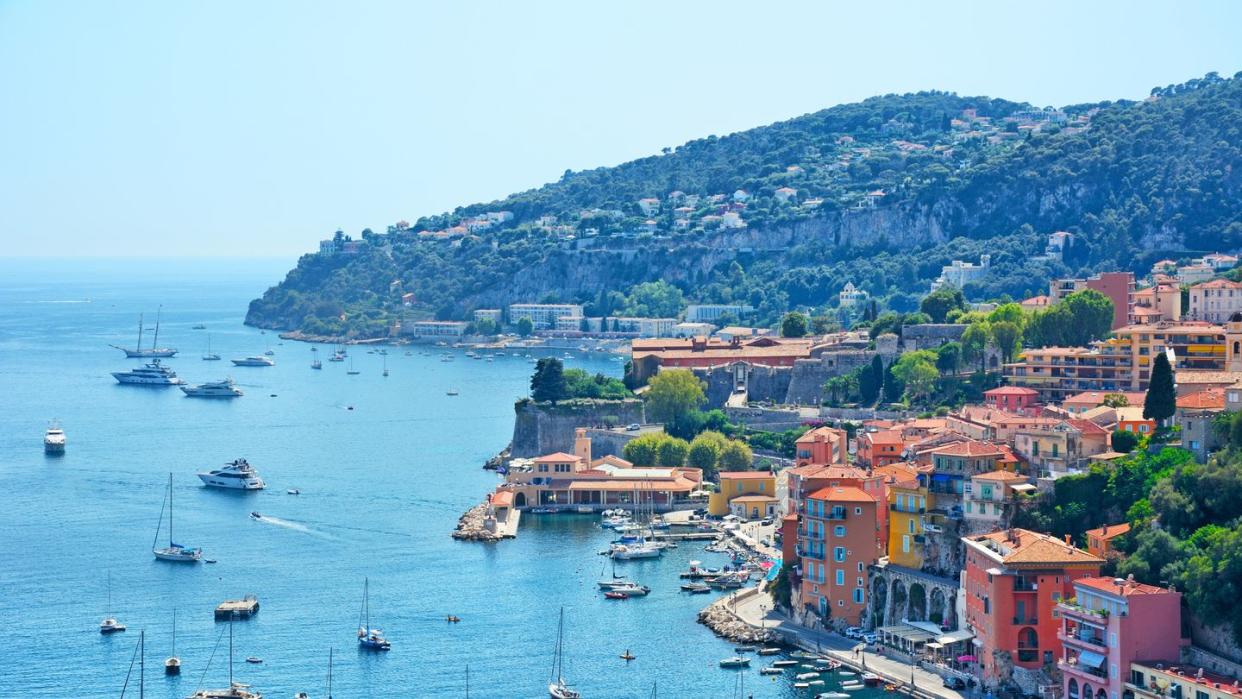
x=138, y=347
x=174, y=650
x=142, y=662
x=230, y=653
x=329, y=672
x=155, y=341
x=170, y=514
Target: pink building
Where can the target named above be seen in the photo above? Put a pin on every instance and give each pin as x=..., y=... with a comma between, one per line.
x=1110, y=623
x=1013, y=399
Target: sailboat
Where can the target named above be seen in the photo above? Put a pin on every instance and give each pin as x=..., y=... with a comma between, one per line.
x=369, y=638
x=557, y=688
x=316, y=364
x=385, y=364
x=352, y=371
x=210, y=356
x=110, y=624
x=173, y=664
x=236, y=690
x=139, y=353
x=174, y=551
x=141, y=652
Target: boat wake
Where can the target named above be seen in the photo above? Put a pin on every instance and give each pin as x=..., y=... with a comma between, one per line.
x=295, y=526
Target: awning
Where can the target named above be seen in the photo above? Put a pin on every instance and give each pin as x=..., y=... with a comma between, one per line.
x=955, y=637
x=1090, y=659
x=933, y=645
x=1023, y=487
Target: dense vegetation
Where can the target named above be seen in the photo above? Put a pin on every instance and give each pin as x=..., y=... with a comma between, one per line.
x=1186, y=521
x=1133, y=181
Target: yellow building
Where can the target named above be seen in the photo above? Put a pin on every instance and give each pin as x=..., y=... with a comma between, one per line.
x=738, y=483
x=907, y=501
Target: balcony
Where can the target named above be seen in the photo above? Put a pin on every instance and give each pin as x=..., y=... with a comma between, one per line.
x=1076, y=612
x=1093, y=673
x=1091, y=642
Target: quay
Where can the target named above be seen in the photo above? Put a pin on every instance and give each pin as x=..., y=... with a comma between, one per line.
x=243, y=608
x=492, y=520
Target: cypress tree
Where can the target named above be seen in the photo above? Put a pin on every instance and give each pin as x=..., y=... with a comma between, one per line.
x=870, y=379
x=1161, y=400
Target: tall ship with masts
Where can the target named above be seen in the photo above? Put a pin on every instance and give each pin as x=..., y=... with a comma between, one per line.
x=155, y=351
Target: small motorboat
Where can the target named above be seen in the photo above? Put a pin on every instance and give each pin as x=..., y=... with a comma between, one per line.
x=806, y=676
x=697, y=588
x=110, y=626
x=735, y=661
x=613, y=594
x=870, y=679
x=801, y=685
x=255, y=515
x=253, y=660
x=832, y=695
x=293, y=491
x=851, y=687
x=209, y=560
x=453, y=619
x=890, y=687
x=451, y=392
x=771, y=671
x=784, y=663
x=627, y=656
x=744, y=649
x=768, y=651
x=847, y=673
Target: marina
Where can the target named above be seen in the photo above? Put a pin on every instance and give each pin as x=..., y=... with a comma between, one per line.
x=365, y=509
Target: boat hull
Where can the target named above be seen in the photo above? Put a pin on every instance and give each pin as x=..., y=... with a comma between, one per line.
x=178, y=555
x=130, y=380
x=172, y=666
x=149, y=353
x=211, y=481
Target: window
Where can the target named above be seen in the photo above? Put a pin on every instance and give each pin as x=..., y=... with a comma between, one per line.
x=911, y=523
x=905, y=543
x=739, y=487
x=838, y=530
x=840, y=577
x=761, y=484
x=840, y=603
x=857, y=510
x=860, y=566
x=859, y=582
x=838, y=554
x=858, y=595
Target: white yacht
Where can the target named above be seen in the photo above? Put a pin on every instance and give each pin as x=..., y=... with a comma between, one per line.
x=255, y=361
x=54, y=440
x=150, y=374
x=235, y=475
x=173, y=551
x=213, y=389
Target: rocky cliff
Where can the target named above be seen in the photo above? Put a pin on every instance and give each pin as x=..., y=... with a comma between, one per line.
x=543, y=428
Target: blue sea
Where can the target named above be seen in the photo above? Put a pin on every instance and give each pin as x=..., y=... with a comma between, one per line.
x=382, y=486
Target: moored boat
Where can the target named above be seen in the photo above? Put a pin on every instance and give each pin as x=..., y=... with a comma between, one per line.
x=54, y=439
x=258, y=360
x=369, y=638
x=173, y=551
x=238, y=474
x=735, y=661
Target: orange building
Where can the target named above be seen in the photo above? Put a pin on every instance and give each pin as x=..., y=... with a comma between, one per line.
x=1012, y=583
x=838, y=539
x=1100, y=541
x=822, y=445
x=881, y=448
x=650, y=355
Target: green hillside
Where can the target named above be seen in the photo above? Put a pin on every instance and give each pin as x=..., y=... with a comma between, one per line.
x=885, y=192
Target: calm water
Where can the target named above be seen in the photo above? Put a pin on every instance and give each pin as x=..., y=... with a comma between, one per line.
x=382, y=486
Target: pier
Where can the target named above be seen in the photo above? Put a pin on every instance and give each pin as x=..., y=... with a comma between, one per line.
x=489, y=521
x=243, y=608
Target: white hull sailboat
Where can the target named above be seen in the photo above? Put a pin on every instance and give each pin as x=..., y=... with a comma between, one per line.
x=110, y=624
x=172, y=666
x=557, y=687
x=173, y=551
x=236, y=690
x=369, y=638
x=210, y=356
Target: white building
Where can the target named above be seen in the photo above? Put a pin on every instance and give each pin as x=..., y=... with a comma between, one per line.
x=649, y=206
x=958, y=274
x=543, y=315
x=492, y=314
x=1193, y=274
x=1220, y=262
x=1215, y=300
x=434, y=328
x=850, y=295
x=741, y=195
x=711, y=312
x=693, y=329
x=732, y=219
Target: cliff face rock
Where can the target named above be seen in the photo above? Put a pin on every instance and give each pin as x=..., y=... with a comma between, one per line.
x=543, y=428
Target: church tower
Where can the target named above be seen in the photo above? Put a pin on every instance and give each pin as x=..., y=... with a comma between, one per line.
x=1233, y=342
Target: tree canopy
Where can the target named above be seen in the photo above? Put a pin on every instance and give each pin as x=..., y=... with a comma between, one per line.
x=672, y=394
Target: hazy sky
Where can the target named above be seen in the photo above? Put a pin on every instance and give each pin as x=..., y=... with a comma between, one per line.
x=256, y=128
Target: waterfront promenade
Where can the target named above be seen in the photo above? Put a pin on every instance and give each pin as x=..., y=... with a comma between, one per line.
x=756, y=609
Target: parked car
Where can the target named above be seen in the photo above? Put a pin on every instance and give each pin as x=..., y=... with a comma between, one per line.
x=955, y=683
x=633, y=427
x=766, y=521
x=854, y=632
x=870, y=638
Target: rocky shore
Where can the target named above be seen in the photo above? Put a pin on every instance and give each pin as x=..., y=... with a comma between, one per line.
x=724, y=623
x=472, y=526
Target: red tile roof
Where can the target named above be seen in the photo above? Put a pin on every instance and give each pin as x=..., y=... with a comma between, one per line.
x=1126, y=588
x=1110, y=531
x=841, y=494
x=1211, y=399
x=969, y=448
x=1011, y=391
x=559, y=457
x=745, y=475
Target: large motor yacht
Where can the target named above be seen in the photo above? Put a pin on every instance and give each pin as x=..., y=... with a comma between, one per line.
x=213, y=389
x=54, y=440
x=235, y=475
x=259, y=360
x=150, y=374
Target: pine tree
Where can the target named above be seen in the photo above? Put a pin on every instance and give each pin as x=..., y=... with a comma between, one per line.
x=1161, y=400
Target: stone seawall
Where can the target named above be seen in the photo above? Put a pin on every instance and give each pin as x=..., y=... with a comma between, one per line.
x=718, y=617
x=543, y=428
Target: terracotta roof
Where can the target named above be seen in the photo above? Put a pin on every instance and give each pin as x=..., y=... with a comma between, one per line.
x=1211, y=399
x=745, y=475
x=1109, y=531
x=1130, y=413
x=1225, y=378
x=820, y=434
x=1097, y=397
x=884, y=437
x=502, y=498
x=1011, y=391
x=624, y=486
x=969, y=448
x=1086, y=426
x=841, y=494
x=828, y=471
x=1023, y=548
x=1001, y=476
x=559, y=457
x=1217, y=284
x=753, y=498
x=1126, y=588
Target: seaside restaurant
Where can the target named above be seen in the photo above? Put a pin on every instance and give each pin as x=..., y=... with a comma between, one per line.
x=564, y=481
x=926, y=640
